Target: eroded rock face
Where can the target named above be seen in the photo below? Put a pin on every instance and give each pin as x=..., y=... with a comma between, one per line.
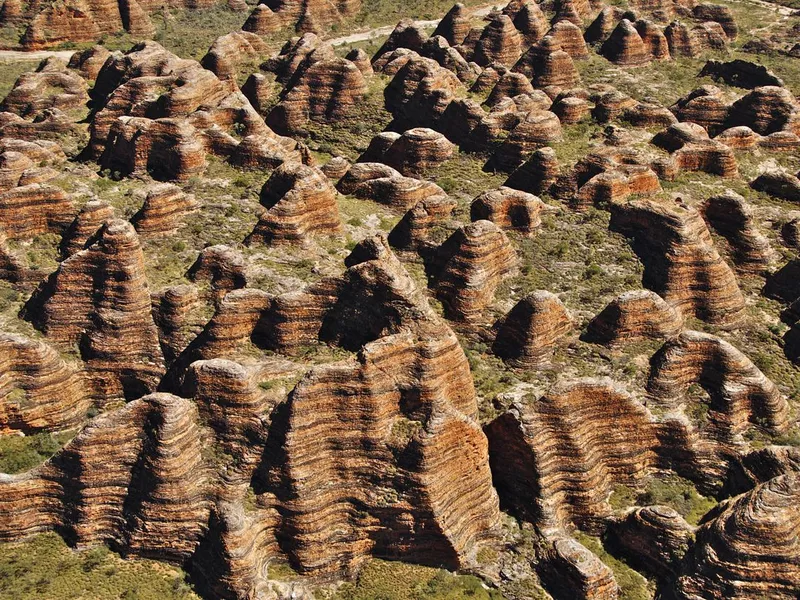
x=569, y=570
x=169, y=134
x=681, y=263
x=691, y=150
x=39, y=390
x=230, y=50
x=471, y=265
x=300, y=202
x=750, y=548
x=740, y=394
x=779, y=184
x=383, y=184
x=500, y=42
x=86, y=224
x=547, y=64
x=416, y=151
x=222, y=267
x=454, y=26
x=32, y=209
x=509, y=209
x=632, y=316
x=99, y=299
x=163, y=210
x=134, y=478
x=655, y=538
x=532, y=330
x=555, y=462
x=327, y=91
x=732, y=217
x=625, y=46
x=45, y=88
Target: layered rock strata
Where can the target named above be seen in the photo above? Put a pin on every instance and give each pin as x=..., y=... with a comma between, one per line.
x=471, y=264
x=681, y=263
x=532, y=330
x=300, y=203
x=99, y=299
x=633, y=316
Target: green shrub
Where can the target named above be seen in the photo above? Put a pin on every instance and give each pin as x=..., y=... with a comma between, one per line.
x=21, y=453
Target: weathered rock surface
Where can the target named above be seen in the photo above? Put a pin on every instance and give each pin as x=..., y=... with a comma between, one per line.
x=416, y=151
x=300, y=202
x=222, y=267
x=228, y=51
x=164, y=208
x=326, y=92
x=531, y=331
x=86, y=224
x=655, y=538
x=779, y=184
x=509, y=209
x=681, y=263
x=39, y=390
x=99, y=299
x=569, y=570
x=750, y=548
x=471, y=264
x=454, y=26
x=29, y=210
x=732, y=217
x=633, y=316
x=134, y=478
x=381, y=183
x=740, y=394
x=556, y=461
x=500, y=42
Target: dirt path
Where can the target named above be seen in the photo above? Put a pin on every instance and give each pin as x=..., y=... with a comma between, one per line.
x=17, y=55
x=379, y=31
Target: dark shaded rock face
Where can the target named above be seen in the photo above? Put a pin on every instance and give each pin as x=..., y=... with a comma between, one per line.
x=740, y=73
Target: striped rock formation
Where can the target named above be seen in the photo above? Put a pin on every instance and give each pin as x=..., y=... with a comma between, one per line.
x=531, y=331
x=222, y=268
x=229, y=51
x=417, y=151
x=99, y=299
x=300, y=203
x=39, y=390
x=36, y=91
x=169, y=134
x=470, y=265
x=133, y=478
x=740, y=394
x=509, y=209
x=163, y=211
x=33, y=209
x=750, y=548
x=569, y=570
x=499, y=42
x=546, y=64
x=654, y=538
x=413, y=230
x=556, y=461
x=383, y=184
x=633, y=316
x=84, y=226
x=732, y=217
x=326, y=92
x=454, y=26
x=681, y=263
